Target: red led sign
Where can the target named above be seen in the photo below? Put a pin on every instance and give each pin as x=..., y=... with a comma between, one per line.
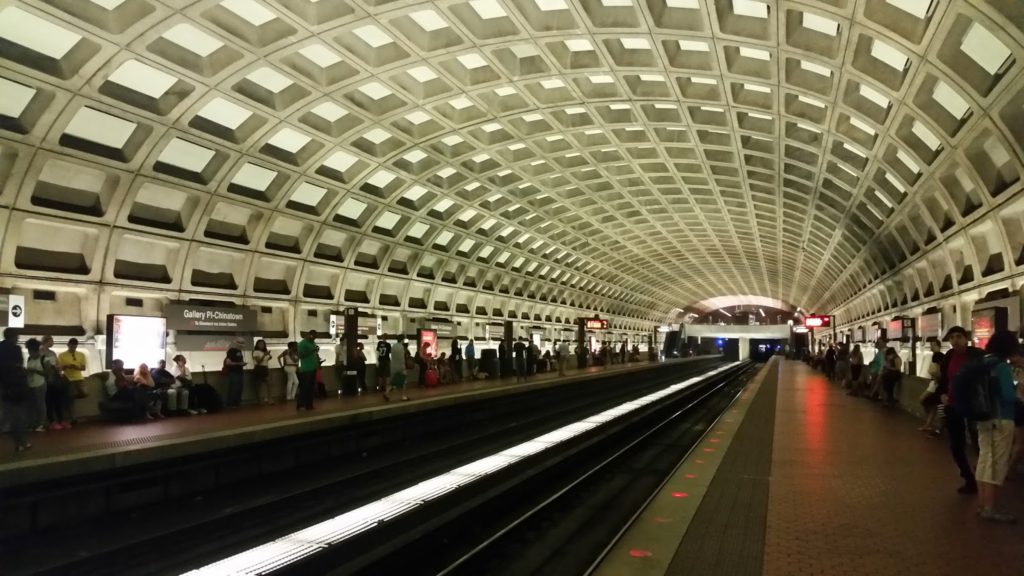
x=817, y=321
x=596, y=324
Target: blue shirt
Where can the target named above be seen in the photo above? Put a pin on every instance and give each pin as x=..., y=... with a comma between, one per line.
x=1007, y=392
x=470, y=351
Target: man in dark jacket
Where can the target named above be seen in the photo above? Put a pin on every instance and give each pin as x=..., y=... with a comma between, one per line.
x=14, y=391
x=957, y=421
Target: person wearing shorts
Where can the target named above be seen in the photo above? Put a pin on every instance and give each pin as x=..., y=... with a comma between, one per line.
x=995, y=436
x=383, y=364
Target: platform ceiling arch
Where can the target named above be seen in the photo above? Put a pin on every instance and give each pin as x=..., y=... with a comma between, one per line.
x=628, y=156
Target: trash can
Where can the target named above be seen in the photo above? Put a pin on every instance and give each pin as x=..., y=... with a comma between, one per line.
x=350, y=383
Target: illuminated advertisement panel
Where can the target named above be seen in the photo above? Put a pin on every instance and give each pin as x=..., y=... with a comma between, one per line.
x=136, y=340
x=983, y=325
x=428, y=337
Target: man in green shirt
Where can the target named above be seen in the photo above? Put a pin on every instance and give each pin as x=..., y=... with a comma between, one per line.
x=309, y=361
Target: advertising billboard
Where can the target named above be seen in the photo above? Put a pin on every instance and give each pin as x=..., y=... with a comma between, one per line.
x=136, y=339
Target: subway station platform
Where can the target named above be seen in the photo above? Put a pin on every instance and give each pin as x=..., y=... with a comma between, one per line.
x=102, y=446
x=798, y=478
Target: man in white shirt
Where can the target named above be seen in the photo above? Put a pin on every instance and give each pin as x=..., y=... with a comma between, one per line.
x=563, y=357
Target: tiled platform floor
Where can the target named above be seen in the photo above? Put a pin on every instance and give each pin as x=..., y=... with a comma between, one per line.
x=93, y=436
x=856, y=490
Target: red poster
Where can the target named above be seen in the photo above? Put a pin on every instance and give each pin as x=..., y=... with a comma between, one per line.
x=429, y=337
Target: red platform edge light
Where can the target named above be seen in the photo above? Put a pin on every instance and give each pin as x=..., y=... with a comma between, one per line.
x=680, y=495
x=640, y=553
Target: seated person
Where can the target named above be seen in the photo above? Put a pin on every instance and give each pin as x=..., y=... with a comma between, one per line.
x=146, y=389
x=176, y=396
x=203, y=397
x=121, y=394
x=444, y=369
x=162, y=378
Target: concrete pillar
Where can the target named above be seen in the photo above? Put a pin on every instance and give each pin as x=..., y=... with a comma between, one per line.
x=744, y=349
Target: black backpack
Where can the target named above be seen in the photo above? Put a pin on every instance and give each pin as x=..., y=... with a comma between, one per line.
x=975, y=389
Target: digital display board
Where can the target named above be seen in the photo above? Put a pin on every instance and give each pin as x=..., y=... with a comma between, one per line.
x=136, y=340
x=596, y=324
x=895, y=331
x=929, y=326
x=817, y=321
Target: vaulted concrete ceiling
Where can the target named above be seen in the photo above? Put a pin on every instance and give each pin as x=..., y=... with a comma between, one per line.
x=625, y=155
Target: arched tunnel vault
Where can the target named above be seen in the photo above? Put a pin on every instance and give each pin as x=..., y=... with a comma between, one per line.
x=547, y=157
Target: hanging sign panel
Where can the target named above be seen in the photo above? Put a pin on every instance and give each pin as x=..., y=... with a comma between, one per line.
x=209, y=319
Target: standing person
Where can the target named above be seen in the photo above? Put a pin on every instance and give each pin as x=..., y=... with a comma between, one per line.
x=930, y=400
x=502, y=358
x=842, y=376
x=234, y=365
x=15, y=394
x=340, y=354
x=74, y=364
x=1017, y=364
x=309, y=361
x=531, y=358
x=37, y=385
x=422, y=354
x=519, y=353
x=471, y=358
x=261, y=370
x=383, y=364
x=288, y=360
x=456, y=360
x=622, y=352
x=995, y=435
x=875, y=368
x=58, y=390
x=856, y=371
x=563, y=357
x=358, y=363
x=830, y=361
x=397, y=377
x=892, y=374
x=949, y=389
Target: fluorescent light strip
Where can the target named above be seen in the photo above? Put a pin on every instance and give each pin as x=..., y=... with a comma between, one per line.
x=298, y=545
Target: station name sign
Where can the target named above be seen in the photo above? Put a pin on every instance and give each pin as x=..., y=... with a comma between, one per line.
x=817, y=321
x=208, y=319
x=596, y=324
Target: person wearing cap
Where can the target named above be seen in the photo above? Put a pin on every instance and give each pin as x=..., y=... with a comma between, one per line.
x=956, y=421
x=234, y=365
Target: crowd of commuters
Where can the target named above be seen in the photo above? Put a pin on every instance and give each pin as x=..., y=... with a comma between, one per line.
x=974, y=398
x=38, y=387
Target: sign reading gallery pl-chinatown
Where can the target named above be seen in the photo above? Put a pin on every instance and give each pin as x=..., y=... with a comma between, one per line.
x=208, y=319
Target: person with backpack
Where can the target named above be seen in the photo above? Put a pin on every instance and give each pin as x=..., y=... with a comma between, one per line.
x=992, y=396
x=957, y=416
